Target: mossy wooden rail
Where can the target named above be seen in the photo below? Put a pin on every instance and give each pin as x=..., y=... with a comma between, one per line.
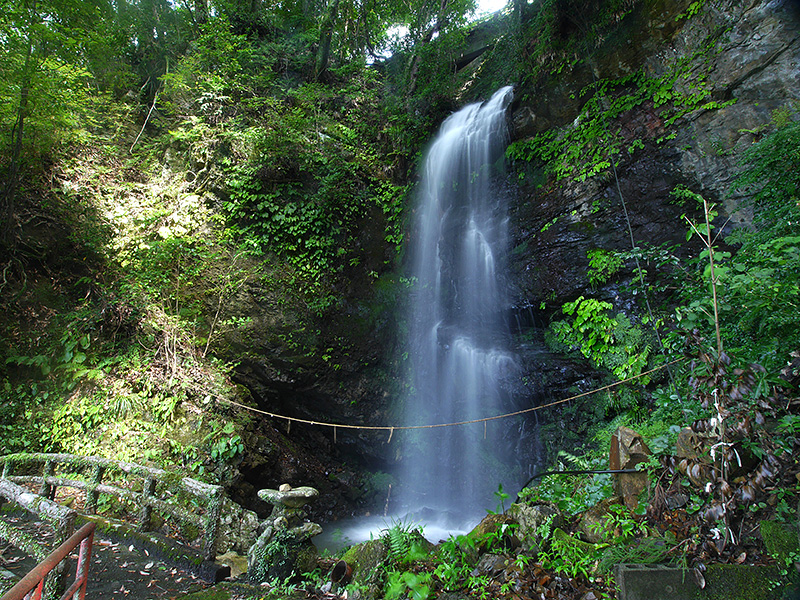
x=147, y=488
x=61, y=518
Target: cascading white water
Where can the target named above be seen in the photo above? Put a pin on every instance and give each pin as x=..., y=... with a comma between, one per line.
x=458, y=344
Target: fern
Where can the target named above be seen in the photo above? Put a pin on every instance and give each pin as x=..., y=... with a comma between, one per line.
x=576, y=462
x=400, y=538
x=646, y=551
x=405, y=543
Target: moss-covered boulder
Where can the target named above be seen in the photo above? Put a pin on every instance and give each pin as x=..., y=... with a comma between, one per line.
x=495, y=531
x=367, y=560
x=781, y=539
x=535, y=523
x=593, y=524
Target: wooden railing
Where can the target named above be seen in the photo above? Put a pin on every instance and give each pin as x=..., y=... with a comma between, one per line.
x=147, y=488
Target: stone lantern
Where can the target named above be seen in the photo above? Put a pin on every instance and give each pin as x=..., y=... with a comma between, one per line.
x=285, y=546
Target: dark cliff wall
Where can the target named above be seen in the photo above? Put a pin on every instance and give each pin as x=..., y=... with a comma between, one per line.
x=747, y=52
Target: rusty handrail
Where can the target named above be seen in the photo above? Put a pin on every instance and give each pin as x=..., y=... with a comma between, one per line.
x=33, y=582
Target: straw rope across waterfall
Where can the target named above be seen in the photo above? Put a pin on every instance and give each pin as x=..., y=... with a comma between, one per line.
x=392, y=428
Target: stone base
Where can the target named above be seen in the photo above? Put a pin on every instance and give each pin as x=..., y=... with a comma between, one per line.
x=723, y=582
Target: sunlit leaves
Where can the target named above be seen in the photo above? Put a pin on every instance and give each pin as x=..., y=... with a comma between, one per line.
x=610, y=342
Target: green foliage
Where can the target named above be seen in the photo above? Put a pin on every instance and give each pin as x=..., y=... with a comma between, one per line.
x=693, y=9
x=570, y=556
x=571, y=493
x=404, y=542
x=550, y=49
x=405, y=546
x=587, y=147
x=763, y=279
x=407, y=584
x=225, y=444
x=614, y=343
x=758, y=286
x=211, y=75
x=642, y=551
x=619, y=526
x=603, y=265
x=454, y=561
x=308, y=189
x=18, y=432
x=501, y=498
x=58, y=110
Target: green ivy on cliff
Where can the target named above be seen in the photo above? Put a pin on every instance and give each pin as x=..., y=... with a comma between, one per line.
x=759, y=283
x=586, y=147
x=309, y=185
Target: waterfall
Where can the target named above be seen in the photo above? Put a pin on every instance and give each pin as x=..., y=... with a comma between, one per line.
x=458, y=334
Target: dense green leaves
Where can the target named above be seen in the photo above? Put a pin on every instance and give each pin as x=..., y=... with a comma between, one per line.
x=757, y=277
x=611, y=342
x=43, y=73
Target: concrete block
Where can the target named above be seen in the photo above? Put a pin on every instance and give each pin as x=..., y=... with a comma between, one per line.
x=723, y=582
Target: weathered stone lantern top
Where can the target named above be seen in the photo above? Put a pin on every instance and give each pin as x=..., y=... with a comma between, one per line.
x=288, y=496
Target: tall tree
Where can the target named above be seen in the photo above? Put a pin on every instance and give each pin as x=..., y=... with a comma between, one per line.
x=431, y=20
x=42, y=58
x=325, y=38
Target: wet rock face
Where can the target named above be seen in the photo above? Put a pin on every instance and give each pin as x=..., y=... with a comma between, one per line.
x=759, y=66
x=756, y=63
x=590, y=215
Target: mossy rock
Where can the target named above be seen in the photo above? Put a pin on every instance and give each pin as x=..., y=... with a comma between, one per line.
x=741, y=582
x=780, y=539
x=531, y=520
x=493, y=525
x=593, y=524
x=236, y=562
x=367, y=560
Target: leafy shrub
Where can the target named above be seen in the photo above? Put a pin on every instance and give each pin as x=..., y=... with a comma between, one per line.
x=610, y=342
x=603, y=265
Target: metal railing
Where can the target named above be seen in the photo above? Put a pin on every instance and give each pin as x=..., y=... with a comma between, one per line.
x=148, y=489
x=31, y=586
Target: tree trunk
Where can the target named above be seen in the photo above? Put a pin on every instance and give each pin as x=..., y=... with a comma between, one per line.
x=413, y=69
x=325, y=37
x=10, y=191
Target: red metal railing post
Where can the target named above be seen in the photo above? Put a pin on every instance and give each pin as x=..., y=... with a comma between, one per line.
x=32, y=584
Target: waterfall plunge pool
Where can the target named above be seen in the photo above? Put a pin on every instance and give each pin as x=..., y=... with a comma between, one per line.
x=435, y=527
